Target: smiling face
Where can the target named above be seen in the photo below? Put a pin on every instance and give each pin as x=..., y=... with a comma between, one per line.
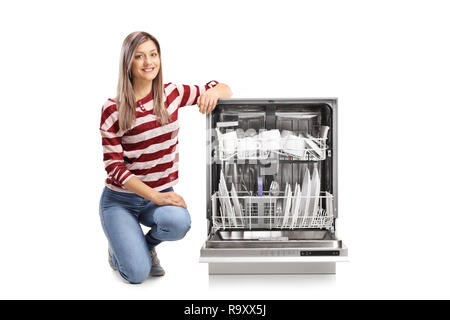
x=146, y=62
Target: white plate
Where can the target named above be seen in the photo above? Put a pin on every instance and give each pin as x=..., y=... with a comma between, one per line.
x=226, y=203
x=229, y=207
x=287, y=207
x=221, y=198
x=295, y=205
x=222, y=217
x=284, y=204
x=299, y=201
x=285, y=196
x=222, y=178
x=294, y=201
x=221, y=207
x=306, y=191
x=231, y=210
x=237, y=206
x=315, y=193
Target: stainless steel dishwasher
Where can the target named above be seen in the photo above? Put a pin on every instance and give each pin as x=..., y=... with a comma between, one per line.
x=271, y=187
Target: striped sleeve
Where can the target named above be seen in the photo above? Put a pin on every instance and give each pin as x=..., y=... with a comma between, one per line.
x=112, y=145
x=190, y=93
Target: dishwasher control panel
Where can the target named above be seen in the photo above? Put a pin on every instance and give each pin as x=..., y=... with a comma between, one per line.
x=293, y=253
x=319, y=253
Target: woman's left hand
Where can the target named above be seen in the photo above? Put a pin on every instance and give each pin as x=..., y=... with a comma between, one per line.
x=207, y=101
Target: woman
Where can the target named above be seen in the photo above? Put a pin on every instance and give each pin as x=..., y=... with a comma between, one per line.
x=139, y=132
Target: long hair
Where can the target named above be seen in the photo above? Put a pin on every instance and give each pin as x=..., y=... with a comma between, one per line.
x=125, y=94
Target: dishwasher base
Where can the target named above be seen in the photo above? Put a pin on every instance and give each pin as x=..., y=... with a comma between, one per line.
x=273, y=268
x=273, y=257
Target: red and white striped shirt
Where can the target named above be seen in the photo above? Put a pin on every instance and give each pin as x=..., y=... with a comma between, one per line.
x=148, y=150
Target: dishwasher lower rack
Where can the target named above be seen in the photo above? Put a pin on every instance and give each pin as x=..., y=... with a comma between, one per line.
x=269, y=212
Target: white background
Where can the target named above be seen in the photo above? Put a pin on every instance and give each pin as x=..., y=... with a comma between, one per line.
x=386, y=61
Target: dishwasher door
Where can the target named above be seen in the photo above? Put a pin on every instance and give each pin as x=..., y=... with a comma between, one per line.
x=273, y=252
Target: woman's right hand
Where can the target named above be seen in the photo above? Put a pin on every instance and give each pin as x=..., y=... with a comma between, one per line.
x=169, y=199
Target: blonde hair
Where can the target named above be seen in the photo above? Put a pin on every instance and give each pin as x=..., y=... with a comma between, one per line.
x=125, y=94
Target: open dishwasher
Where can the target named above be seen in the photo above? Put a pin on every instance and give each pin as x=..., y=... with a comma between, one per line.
x=272, y=187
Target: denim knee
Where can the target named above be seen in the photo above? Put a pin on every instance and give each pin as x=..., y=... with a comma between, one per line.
x=175, y=223
x=136, y=273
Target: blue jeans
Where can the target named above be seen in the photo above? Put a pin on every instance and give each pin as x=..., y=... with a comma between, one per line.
x=121, y=215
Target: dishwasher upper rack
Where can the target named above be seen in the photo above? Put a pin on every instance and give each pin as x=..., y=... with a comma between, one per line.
x=307, y=149
x=268, y=212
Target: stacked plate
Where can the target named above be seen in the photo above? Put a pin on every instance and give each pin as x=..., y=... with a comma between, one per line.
x=230, y=211
x=314, y=200
x=287, y=204
x=301, y=208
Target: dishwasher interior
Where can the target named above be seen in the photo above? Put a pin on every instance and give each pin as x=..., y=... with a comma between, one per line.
x=272, y=187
